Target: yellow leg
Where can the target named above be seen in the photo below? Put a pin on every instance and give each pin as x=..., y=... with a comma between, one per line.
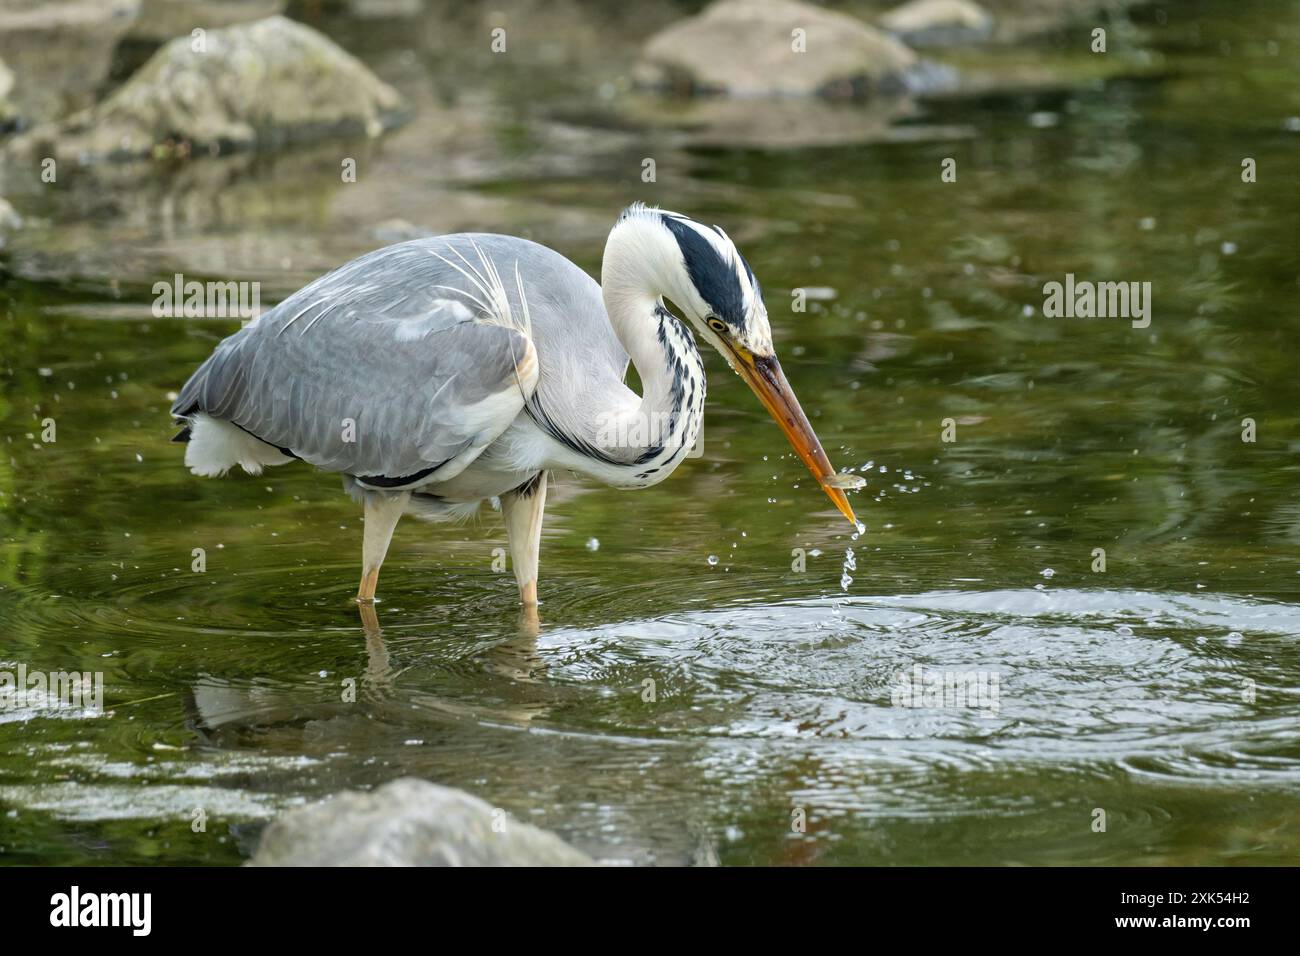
x=523, y=514
x=382, y=512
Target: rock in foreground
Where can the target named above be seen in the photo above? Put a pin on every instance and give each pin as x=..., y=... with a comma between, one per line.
x=774, y=48
x=257, y=85
x=408, y=822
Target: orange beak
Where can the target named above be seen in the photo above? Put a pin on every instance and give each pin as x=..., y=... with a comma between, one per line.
x=765, y=377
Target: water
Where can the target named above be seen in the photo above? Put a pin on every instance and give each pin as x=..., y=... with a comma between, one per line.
x=691, y=694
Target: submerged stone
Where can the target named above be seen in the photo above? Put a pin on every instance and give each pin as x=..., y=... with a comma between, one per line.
x=938, y=22
x=409, y=822
x=774, y=48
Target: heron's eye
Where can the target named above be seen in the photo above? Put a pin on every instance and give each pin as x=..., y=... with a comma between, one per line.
x=716, y=324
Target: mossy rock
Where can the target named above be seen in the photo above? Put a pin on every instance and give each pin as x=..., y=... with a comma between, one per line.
x=257, y=85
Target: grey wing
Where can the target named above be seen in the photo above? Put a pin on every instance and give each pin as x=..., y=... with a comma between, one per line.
x=396, y=364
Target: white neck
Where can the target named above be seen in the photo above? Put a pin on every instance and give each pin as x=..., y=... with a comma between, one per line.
x=641, y=265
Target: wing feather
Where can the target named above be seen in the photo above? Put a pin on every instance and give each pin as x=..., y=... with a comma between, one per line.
x=393, y=364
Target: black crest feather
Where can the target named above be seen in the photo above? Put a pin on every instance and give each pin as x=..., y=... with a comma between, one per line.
x=713, y=276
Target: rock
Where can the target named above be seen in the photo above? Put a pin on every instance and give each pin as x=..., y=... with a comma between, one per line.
x=751, y=48
x=162, y=20
x=8, y=112
x=60, y=50
x=408, y=822
x=9, y=218
x=384, y=9
x=257, y=85
x=1021, y=20
x=922, y=23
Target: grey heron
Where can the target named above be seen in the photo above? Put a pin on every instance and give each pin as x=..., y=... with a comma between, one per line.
x=437, y=373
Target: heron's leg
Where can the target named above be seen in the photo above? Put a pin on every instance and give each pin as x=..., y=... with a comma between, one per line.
x=522, y=509
x=379, y=672
x=382, y=511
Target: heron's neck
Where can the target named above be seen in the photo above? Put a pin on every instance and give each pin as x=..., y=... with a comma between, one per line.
x=653, y=436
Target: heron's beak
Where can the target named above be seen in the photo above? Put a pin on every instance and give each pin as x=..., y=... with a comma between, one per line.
x=763, y=374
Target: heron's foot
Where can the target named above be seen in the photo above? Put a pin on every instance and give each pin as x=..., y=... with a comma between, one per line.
x=529, y=624
x=370, y=620
x=528, y=593
x=369, y=581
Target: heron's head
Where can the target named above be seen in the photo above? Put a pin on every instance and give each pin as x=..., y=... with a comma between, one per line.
x=713, y=286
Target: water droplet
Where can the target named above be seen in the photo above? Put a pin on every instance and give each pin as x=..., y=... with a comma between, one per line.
x=593, y=544
x=713, y=560
x=1047, y=573
x=1124, y=630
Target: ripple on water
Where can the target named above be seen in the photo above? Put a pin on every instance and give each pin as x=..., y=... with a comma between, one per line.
x=1093, y=688
x=1082, y=677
